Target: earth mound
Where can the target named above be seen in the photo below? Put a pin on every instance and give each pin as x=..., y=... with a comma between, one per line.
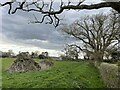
x=46, y=64
x=24, y=63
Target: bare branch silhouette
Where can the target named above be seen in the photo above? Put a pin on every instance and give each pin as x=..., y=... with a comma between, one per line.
x=51, y=13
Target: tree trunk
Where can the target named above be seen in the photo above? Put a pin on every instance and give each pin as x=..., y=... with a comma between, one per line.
x=97, y=56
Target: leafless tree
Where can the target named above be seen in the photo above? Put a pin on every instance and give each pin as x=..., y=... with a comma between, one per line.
x=71, y=52
x=109, y=51
x=45, y=54
x=97, y=33
x=51, y=13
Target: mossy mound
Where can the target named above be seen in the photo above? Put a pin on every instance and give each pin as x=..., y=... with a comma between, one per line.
x=24, y=63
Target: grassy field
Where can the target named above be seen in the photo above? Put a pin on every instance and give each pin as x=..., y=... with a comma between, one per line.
x=64, y=74
x=0, y=73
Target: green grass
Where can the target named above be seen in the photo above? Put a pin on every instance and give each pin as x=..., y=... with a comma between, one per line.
x=64, y=74
x=0, y=73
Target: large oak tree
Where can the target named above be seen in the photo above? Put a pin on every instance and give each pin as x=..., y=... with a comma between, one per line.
x=97, y=33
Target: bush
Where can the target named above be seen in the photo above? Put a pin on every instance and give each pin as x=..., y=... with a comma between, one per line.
x=110, y=61
x=109, y=73
x=41, y=56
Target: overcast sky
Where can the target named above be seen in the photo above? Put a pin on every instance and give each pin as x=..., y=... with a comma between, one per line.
x=16, y=34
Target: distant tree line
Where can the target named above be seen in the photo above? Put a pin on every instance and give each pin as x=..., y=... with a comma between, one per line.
x=11, y=54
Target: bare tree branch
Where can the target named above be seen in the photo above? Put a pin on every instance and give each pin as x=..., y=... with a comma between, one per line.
x=52, y=13
x=92, y=33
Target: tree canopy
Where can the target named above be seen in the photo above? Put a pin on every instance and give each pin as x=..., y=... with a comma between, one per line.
x=97, y=33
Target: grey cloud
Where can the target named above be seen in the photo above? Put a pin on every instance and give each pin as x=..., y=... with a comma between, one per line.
x=16, y=28
x=73, y=15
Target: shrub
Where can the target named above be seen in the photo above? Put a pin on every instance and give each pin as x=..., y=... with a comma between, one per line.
x=110, y=76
